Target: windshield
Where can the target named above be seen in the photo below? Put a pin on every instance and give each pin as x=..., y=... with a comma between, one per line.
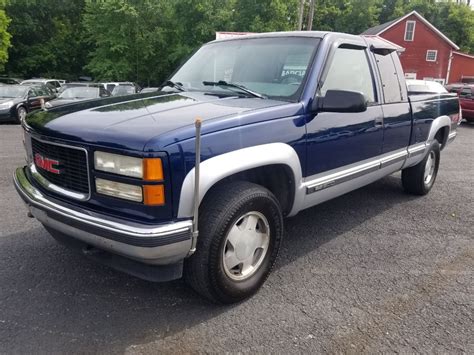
x=274, y=67
x=80, y=93
x=9, y=91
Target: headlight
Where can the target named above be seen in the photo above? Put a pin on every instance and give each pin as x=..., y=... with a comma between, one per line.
x=119, y=190
x=7, y=104
x=150, y=169
x=118, y=164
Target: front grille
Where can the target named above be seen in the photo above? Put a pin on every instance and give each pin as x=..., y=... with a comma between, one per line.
x=73, y=175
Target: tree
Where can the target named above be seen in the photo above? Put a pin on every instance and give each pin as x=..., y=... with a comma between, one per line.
x=46, y=38
x=4, y=35
x=128, y=40
x=266, y=15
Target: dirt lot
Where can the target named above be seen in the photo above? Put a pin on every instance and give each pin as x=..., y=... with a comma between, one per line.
x=374, y=270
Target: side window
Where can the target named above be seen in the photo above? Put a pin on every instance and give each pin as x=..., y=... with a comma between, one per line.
x=110, y=87
x=349, y=70
x=35, y=92
x=103, y=92
x=465, y=93
x=388, y=74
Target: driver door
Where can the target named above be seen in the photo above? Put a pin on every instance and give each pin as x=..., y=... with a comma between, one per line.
x=338, y=141
x=34, y=99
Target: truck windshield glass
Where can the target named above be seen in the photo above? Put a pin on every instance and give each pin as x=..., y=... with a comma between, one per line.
x=272, y=67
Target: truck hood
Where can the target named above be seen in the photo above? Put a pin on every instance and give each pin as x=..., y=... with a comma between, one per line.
x=130, y=122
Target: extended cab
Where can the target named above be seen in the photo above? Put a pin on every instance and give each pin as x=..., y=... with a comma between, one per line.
x=197, y=178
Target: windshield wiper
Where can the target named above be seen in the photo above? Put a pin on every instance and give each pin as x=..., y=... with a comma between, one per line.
x=242, y=88
x=175, y=85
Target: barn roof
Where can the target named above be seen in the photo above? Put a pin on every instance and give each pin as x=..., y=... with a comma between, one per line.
x=379, y=29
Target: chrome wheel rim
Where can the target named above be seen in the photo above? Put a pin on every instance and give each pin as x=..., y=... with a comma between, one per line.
x=22, y=114
x=430, y=167
x=246, y=246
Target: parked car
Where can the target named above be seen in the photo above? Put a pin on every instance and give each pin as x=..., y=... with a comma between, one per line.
x=289, y=120
x=17, y=100
x=110, y=86
x=454, y=87
x=150, y=89
x=466, y=100
x=425, y=87
x=52, y=83
x=79, y=84
x=76, y=94
x=10, y=81
x=121, y=90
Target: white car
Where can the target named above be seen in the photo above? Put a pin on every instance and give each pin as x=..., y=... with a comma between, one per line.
x=425, y=87
x=52, y=83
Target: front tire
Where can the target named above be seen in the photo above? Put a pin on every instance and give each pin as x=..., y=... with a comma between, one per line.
x=240, y=231
x=21, y=114
x=419, y=179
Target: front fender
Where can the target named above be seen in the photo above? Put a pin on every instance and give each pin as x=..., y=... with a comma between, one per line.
x=219, y=167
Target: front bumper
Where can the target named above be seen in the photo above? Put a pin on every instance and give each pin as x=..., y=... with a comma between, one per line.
x=6, y=115
x=156, y=245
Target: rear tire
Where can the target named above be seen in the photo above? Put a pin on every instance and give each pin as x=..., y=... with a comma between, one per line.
x=240, y=231
x=419, y=179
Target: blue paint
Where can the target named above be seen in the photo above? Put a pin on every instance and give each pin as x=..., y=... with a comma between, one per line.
x=162, y=125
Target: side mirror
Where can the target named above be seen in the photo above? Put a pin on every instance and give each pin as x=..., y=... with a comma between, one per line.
x=341, y=101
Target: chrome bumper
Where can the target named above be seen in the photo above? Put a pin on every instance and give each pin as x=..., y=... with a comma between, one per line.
x=157, y=245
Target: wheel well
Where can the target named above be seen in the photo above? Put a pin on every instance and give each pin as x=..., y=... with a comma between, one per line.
x=442, y=136
x=277, y=178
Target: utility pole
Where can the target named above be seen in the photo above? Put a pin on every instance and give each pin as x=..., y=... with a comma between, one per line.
x=300, y=15
x=310, y=16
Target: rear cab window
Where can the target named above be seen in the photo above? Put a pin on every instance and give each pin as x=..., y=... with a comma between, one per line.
x=392, y=88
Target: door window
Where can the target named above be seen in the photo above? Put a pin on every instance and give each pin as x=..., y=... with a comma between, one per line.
x=350, y=70
x=465, y=93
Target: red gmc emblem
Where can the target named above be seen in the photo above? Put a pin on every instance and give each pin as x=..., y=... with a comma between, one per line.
x=47, y=164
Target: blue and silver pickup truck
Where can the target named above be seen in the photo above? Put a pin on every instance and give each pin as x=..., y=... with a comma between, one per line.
x=195, y=180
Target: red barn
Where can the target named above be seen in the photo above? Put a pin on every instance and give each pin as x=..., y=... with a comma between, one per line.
x=429, y=54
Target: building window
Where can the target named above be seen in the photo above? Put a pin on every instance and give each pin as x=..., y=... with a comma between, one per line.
x=410, y=30
x=431, y=55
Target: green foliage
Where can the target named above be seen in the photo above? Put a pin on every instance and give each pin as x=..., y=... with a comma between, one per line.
x=145, y=40
x=46, y=38
x=4, y=35
x=265, y=15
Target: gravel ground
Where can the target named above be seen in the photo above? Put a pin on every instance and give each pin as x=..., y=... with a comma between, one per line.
x=375, y=270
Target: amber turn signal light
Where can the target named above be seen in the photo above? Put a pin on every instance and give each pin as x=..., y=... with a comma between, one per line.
x=154, y=195
x=152, y=169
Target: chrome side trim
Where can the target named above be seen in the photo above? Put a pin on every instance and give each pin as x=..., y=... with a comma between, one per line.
x=57, y=189
x=354, y=172
x=340, y=177
x=417, y=149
